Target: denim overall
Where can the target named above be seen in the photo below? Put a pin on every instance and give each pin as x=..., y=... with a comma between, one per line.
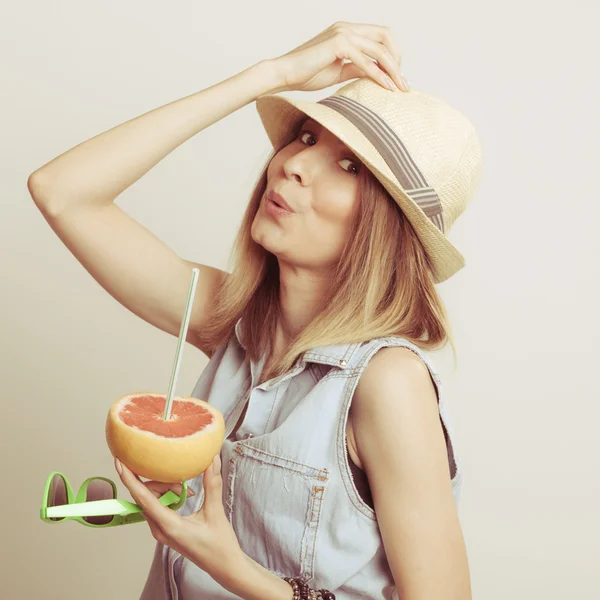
x=288, y=489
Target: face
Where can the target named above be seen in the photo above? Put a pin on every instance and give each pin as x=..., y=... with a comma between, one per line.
x=318, y=177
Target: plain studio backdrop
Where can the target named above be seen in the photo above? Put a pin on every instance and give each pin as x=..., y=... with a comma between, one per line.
x=524, y=398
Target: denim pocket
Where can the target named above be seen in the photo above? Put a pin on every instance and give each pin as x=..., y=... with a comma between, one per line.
x=274, y=506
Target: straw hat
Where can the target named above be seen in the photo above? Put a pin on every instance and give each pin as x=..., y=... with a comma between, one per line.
x=424, y=152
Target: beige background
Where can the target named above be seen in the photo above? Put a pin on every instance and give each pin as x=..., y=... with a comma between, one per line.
x=525, y=397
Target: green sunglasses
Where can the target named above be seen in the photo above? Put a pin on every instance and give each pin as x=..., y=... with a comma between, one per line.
x=96, y=503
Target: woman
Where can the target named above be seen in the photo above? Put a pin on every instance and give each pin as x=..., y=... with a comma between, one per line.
x=338, y=468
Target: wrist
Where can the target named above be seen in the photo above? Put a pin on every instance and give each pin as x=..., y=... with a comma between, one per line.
x=274, y=78
x=251, y=581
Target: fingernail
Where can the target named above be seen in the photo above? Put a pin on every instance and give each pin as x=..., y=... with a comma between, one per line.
x=391, y=84
x=118, y=466
x=405, y=81
x=191, y=492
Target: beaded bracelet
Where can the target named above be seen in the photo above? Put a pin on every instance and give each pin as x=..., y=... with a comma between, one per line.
x=303, y=592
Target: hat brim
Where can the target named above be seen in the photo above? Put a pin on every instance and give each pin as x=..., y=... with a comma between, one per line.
x=279, y=114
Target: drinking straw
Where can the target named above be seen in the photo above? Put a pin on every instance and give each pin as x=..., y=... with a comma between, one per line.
x=180, y=341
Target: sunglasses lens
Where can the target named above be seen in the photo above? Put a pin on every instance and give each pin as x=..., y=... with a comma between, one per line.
x=57, y=494
x=98, y=489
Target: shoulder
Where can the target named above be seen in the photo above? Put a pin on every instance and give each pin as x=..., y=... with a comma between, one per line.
x=395, y=365
x=395, y=390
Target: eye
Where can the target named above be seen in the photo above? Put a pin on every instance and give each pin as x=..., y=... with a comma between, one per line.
x=352, y=162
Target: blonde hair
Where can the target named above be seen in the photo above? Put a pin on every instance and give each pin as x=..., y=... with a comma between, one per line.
x=383, y=284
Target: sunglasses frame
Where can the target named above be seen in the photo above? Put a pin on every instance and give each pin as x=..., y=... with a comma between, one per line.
x=124, y=512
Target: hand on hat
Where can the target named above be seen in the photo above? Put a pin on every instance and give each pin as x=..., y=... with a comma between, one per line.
x=319, y=63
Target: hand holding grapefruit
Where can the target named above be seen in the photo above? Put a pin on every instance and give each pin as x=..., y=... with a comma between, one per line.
x=170, y=451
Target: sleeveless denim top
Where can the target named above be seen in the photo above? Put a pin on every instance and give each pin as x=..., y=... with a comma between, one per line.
x=288, y=485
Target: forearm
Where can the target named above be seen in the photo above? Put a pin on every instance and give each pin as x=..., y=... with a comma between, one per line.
x=251, y=581
x=96, y=171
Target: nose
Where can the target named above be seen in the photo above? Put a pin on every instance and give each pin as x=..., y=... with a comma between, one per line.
x=294, y=168
x=306, y=164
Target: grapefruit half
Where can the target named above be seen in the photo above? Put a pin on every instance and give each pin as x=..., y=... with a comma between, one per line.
x=171, y=451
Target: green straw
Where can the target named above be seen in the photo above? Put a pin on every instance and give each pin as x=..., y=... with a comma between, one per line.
x=180, y=341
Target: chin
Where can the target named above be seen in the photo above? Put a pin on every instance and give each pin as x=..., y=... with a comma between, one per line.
x=259, y=235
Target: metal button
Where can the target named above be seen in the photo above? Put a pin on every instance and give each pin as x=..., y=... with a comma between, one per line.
x=343, y=363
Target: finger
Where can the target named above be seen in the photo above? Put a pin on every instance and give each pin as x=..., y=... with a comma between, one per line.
x=351, y=71
x=377, y=33
x=355, y=54
x=158, y=488
x=213, y=489
x=384, y=36
x=163, y=517
x=382, y=55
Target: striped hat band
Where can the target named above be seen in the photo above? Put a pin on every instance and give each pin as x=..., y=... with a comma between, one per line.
x=393, y=151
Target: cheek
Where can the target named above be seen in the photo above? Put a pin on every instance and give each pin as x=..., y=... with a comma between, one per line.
x=328, y=228
x=323, y=243
x=338, y=208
